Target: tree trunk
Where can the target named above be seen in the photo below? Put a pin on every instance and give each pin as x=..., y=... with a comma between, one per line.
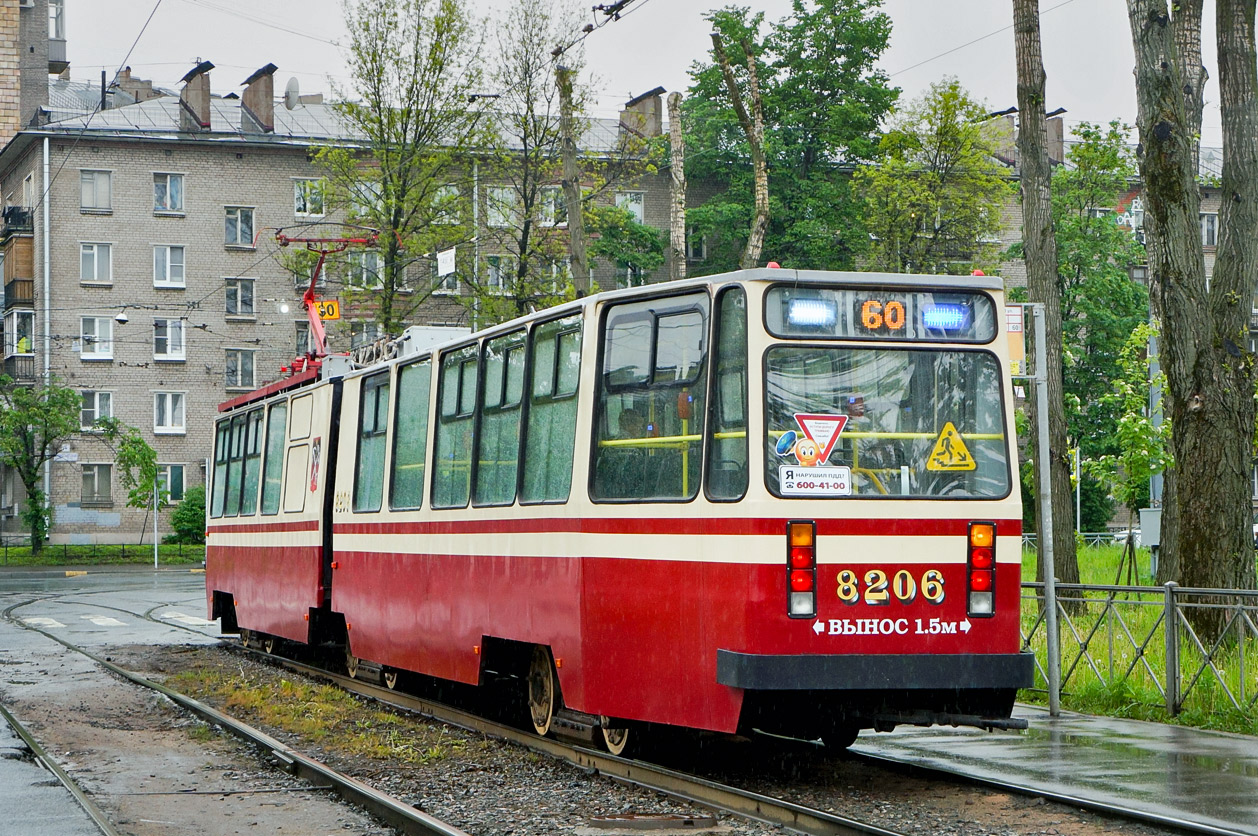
x=677, y=214
x=1040, y=248
x=753, y=127
x=1204, y=346
x=572, y=184
x=1187, y=27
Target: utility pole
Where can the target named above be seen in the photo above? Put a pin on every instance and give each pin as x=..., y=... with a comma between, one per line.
x=677, y=215
x=571, y=180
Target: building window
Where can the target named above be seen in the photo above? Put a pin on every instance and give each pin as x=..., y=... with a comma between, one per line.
x=238, y=231
x=498, y=274
x=501, y=206
x=363, y=270
x=96, y=479
x=19, y=333
x=554, y=211
x=239, y=297
x=95, y=191
x=96, y=406
x=362, y=333
x=168, y=266
x=447, y=285
x=696, y=245
x=629, y=275
x=308, y=198
x=170, y=480
x=239, y=368
x=168, y=339
x=445, y=205
x=28, y=191
x=560, y=272
x=95, y=263
x=634, y=203
x=1209, y=229
x=303, y=337
x=168, y=413
x=96, y=335
x=56, y=20
x=167, y=192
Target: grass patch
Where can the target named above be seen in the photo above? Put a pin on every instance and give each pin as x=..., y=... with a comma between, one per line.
x=102, y=555
x=333, y=719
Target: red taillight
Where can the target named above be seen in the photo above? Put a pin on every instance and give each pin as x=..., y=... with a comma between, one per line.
x=980, y=599
x=801, y=569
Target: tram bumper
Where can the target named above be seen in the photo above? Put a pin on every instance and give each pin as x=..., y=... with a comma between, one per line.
x=858, y=672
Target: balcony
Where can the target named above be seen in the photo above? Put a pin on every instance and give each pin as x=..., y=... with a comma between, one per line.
x=19, y=293
x=17, y=219
x=20, y=367
x=57, y=62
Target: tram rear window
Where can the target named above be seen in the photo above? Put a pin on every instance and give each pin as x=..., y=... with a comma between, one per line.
x=880, y=314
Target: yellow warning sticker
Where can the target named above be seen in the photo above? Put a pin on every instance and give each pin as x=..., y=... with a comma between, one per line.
x=950, y=452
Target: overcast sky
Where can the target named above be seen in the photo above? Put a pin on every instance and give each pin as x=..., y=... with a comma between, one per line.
x=1087, y=47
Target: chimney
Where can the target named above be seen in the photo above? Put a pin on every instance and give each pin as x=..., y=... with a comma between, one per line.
x=140, y=89
x=643, y=116
x=194, y=101
x=257, y=105
x=1056, y=139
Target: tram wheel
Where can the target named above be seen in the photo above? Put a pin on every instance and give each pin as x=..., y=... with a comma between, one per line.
x=268, y=644
x=542, y=690
x=840, y=738
x=617, y=740
x=351, y=665
x=246, y=638
x=389, y=675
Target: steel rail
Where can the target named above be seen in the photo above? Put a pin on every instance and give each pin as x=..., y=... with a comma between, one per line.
x=710, y=794
x=390, y=810
x=93, y=812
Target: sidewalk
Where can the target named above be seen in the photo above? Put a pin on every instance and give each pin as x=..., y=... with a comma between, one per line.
x=1181, y=777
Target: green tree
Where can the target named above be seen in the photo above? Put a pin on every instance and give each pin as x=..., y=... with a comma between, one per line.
x=822, y=100
x=188, y=518
x=1101, y=306
x=933, y=199
x=617, y=236
x=413, y=65
x=34, y=422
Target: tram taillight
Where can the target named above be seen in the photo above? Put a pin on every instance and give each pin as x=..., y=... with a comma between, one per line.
x=801, y=569
x=980, y=599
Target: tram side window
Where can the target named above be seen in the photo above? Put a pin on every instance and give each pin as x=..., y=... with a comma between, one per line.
x=649, y=432
x=235, y=466
x=222, y=453
x=498, y=442
x=252, y=462
x=373, y=422
x=410, y=435
x=273, y=463
x=727, y=433
x=551, y=434
x=452, y=479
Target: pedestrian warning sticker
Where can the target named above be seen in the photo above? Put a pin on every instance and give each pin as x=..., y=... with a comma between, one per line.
x=950, y=452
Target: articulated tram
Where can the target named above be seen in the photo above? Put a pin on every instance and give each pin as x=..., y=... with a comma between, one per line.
x=769, y=500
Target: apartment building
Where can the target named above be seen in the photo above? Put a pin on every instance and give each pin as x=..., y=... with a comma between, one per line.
x=141, y=269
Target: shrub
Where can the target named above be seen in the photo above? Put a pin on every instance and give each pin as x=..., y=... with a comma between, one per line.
x=188, y=519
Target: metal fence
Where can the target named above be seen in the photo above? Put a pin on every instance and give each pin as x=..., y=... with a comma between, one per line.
x=1090, y=538
x=1138, y=641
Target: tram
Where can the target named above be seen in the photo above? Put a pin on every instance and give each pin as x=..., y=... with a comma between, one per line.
x=770, y=500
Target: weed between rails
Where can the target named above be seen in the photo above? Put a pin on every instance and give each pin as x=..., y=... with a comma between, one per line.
x=333, y=719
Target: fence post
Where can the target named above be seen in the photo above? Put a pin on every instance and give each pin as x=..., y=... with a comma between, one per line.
x=1170, y=624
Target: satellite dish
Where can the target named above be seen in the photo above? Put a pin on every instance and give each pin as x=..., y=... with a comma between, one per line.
x=292, y=94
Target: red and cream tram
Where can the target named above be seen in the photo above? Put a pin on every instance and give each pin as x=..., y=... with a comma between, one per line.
x=772, y=499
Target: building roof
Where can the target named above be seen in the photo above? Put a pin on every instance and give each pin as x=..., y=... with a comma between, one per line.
x=68, y=99
x=303, y=125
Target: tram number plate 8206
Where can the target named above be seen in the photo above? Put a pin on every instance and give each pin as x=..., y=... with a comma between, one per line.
x=815, y=481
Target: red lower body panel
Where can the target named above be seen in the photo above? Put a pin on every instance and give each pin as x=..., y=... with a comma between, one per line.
x=274, y=587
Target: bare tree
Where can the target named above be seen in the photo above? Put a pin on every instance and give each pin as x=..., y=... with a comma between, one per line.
x=753, y=127
x=1040, y=252
x=677, y=205
x=1206, y=535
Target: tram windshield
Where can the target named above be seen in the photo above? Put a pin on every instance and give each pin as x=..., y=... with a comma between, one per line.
x=884, y=422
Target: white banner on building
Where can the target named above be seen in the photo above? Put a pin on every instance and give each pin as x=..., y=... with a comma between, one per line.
x=445, y=262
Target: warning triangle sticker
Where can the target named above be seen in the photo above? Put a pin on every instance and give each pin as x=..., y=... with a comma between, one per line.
x=823, y=430
x=950, y=452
